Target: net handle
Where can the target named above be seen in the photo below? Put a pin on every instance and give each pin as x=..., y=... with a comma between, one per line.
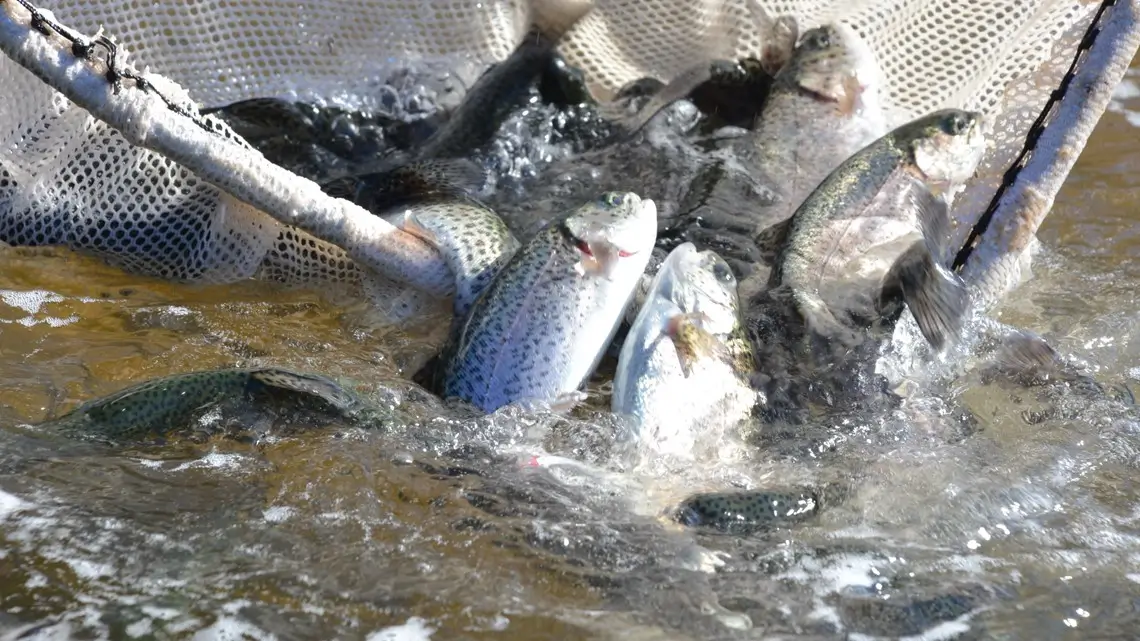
x=991, y=257
x=92, y=73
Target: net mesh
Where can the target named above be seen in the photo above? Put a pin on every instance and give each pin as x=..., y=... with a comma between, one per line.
x=66, y=178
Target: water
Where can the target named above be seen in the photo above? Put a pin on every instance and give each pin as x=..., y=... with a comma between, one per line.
x=1023, y=524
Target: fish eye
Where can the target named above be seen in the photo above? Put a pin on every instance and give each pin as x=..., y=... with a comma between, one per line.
x=957, y=124
x=722, y=273
x=819, y=39
x=613, y=200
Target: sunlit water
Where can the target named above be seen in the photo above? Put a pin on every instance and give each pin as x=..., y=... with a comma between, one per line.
x=1023, y=526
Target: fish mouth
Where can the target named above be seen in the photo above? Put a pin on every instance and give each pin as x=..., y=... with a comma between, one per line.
x=599, y=257
x=602, y=248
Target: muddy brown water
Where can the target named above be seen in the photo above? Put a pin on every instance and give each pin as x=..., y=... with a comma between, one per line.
x=1028, y=528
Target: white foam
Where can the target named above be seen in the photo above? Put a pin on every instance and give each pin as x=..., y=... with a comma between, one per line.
x=162, y=614
x=29, y=301
x=278, y=514
x=228, y=628
x=140, y=628
x=89, y=570
x=10, y=504
x=416, y=629
x=216, y=460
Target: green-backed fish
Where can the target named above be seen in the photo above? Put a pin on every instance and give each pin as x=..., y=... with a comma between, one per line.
x=539, y=329
x=164, y=404
x=874, y=228
x=682, y=374
x=824, y=106
x=743, y=512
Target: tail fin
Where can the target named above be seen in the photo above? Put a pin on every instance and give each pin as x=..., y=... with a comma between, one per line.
x=313, y=385
x=423, y=181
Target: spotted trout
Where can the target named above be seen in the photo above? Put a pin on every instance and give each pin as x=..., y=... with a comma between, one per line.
x=474, y=242
x=682, y=371
x=539, y=329
x=875, y=226
x=823, y=106
x=161, y=405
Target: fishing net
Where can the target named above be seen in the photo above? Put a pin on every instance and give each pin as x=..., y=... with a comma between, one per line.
x=208, y=209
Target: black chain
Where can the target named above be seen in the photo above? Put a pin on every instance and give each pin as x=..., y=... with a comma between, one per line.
x=83, y=48
x=1031, y=139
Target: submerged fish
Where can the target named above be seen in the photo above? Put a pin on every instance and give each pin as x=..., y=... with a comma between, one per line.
x=743, y=512
x=682, y=371
x=874, y=228
x=538, y=330
x=164, y=404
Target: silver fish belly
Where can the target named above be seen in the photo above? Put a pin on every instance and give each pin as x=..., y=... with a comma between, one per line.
x=670, y=390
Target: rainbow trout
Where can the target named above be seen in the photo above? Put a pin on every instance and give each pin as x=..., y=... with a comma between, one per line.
x=682, y=371
x=161, y=405
x=823, y=106
x=861, y=247
x=539, y=329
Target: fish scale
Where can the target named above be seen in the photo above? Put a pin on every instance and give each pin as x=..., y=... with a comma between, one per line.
x=156, y=406
x=474, y=242
x=540, y=327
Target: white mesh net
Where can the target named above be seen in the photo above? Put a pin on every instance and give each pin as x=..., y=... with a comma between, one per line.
x=67, y=178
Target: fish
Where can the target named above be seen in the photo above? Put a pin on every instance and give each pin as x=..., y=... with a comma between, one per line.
x=872, y=231
x=730, y=91
x=382, y=183
x=474, y=242
x=682, y=372
x=540, y=328
x=860, y=250
x=743, y=512
x=159, y=406
x=824, y=105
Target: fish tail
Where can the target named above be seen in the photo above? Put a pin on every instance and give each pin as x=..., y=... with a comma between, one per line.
x=936, y=297
x=412, y=183
x=313, y=385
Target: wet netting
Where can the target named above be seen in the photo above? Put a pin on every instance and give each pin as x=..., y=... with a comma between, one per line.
x=158, y=189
